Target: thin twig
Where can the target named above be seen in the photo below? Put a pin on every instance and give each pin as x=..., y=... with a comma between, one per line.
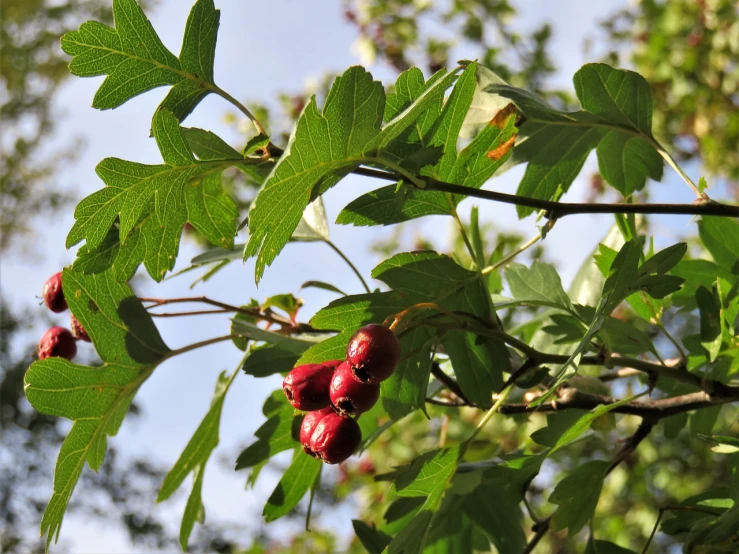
x=528, y=244
x=349, y=263
x=194, y=312
x=449, y=383
x=664, y=509
x=540, y=529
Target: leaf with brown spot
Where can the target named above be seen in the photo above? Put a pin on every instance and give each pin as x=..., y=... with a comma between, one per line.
x=501, y=118
x=502, y=149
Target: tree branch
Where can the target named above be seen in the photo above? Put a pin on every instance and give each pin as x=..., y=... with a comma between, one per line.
x=556, y=210
x=449, y=383
x=651, y=409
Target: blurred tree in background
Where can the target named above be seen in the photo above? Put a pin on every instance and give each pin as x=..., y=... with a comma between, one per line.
x=686, y=50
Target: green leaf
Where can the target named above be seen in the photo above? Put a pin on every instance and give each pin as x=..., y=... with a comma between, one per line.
x=471, y=167
x=321, y=285
x=94, y=398
x=390, y=205
x=432, y=276
x=135, y=60
x=157, y=201
x=698, y=273
x=405, y=390
x=346, y=315
x=709, y=305
x=585, y=421
x=293, y=485
x=373, y=540
x=208, y=146
x=720, y=235
x=428, y=475
x=615, y=96
x=501, y=520
x=557, y=424
x=325, y=146
x=624, y=161
x=566, y=328
x=268, y=359
x=479, y=363
x=288, y=303
x=451, y=531
x=615, y=119
x=540, y=284
x=577, y=496
x=277, y=434
x=194, y=458
x=625, y=338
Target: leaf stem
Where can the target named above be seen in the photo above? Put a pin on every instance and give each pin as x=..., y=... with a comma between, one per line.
x=463, y=232
x=674, y=165
x=528, y=244
x=349, y=263
x=500, y=400
x=196, y=345
x=243, y=109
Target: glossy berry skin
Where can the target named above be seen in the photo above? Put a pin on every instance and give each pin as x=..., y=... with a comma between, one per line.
x=335, y=438
x=310, y=421
x=373, y=352
x=306, y=386
x=57, y=341
x=53, y=295
x=350, y=397
x=78, y=330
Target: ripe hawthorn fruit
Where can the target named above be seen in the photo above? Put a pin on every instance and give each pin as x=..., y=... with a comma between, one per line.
x=57, y=341
x=310, y=421
x=350, y=397
x=373, y=352
x=78, y=330
x=335, y=438
x=53, y=294
x=306, y=386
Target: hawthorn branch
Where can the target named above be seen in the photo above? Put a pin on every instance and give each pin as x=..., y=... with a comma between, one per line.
x=556, y=210
x=651, y=409
x=449, y=383
x=540, y=529
x=256, y=312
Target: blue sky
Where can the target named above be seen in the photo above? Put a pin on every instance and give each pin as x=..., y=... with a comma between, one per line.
x=266, y=47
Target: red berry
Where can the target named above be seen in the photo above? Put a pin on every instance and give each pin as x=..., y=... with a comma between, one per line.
x=53, y=295
x=310, y=421
x=306, y=386
x=57, y=341
x=373, y=352
x=349, y=396
x=335, y=438
x=78, y=330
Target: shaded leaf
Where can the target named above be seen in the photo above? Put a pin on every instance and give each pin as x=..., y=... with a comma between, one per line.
x=577, y=495
x=293, y=485
x=194, y=458
x=96, y=399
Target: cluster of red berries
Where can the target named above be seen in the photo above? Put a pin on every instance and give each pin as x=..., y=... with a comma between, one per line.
x=59, y=341
x=336, y=392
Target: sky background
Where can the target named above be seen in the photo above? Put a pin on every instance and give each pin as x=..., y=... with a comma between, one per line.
x=264, y=48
